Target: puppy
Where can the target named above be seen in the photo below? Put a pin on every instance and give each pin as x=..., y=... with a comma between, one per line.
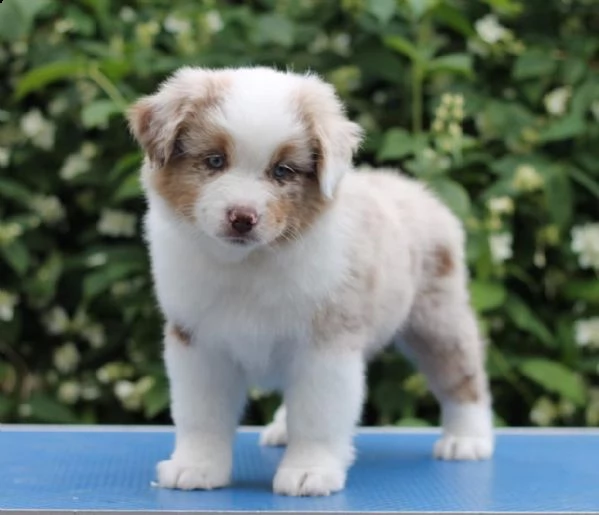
x=277, y=265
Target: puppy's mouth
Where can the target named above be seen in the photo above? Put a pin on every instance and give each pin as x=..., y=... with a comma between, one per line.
x=240, y=241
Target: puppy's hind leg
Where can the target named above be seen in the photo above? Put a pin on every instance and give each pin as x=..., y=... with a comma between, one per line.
x=275, y=433
x=443, y=339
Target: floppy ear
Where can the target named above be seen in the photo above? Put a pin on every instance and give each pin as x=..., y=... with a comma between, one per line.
x=155, y=122
x=337, y=138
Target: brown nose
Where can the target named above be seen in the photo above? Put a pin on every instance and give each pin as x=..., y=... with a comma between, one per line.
x=243, y=219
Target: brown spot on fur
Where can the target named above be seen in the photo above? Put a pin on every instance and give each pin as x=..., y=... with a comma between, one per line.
x=180, y=334
x=465, y=390
x=298, y=200
x=453, y=365
x=181, y=180
x=444, y=261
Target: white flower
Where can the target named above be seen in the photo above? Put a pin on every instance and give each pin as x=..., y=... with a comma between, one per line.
x=556, y=101
x=341, y=44
x=8, y=301
x=146, y=32
x=95, y=335
x=127, y=14
x=176, y=25
x=40, y=131
x=490, y=30
x=48, y=208
x=501, y=205
x=69, y=392
x=319, y=44
x=97, y=259
x=454, y=130
x=117, y=223
x=66, y=358
x=501, y=247
x=74, y=165
x=57, y=321
x=543, y=412
x=63, y=26
x=585, y=243
x=527, y=178
x=58, y=106
x=25, y=410
x=113, y=371
x=9, y=232
x=4, y=157
x=214, y=22
x=586, y=332
x=124, y=389
x=90, y=392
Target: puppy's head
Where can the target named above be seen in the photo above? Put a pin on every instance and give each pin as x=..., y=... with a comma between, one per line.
x=248, y=156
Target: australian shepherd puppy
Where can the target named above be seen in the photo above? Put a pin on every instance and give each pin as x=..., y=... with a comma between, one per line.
x=277, y=265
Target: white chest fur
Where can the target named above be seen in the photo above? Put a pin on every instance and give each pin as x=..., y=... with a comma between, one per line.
x=258, y=310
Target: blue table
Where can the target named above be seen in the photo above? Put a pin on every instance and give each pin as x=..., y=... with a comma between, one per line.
x=67, y=470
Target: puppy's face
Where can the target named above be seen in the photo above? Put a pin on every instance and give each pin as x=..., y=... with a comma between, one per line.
x=249, y=156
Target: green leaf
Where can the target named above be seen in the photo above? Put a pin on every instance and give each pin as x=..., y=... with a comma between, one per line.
x=16, y=18
x=564, y=128
x=157, y=399
x=100, y=281
x=273, y=28
x=559, y=197
x=14, y=191
x=555, y=377
x=534, y=63
x=453, y=18
x=98, y=113
x=419, y=8
x=382, y=10
x=403, y=46
x=453, y=194
x=16, y=255
x=129, y=188
x=46, y=409
x=397, y=143
x=587, y=291
x=524, y=318
x=585, y=180
x=453, y=63
x=486, y=296
x=40, y=77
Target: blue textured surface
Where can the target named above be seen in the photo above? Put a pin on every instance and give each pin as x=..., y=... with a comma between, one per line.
x=71, y=471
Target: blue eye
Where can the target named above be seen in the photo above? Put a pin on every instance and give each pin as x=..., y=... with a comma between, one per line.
x=216, y=162
x=282, y=171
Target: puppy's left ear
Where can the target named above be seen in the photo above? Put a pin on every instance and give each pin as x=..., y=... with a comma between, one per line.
x=336, y=137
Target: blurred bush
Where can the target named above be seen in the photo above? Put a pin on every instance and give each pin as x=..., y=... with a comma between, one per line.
x=494, y=103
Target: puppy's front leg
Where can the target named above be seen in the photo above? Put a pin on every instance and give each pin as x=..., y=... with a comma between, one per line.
x=323, y=400
x=207, y=394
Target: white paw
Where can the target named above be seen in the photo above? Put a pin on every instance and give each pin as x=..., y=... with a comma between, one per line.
x=450, y=447
x=308, y=481
x=274, y=434
x=200, y=476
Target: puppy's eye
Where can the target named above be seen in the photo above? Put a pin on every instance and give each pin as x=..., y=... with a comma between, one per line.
x=282, y=172
x=215, y=162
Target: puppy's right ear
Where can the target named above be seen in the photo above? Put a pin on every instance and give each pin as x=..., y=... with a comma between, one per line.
x=155, y=122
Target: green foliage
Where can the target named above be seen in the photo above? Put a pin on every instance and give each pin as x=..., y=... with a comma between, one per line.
x=494, y=104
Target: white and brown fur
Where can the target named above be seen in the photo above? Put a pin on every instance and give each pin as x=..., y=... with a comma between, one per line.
x=337, y=264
